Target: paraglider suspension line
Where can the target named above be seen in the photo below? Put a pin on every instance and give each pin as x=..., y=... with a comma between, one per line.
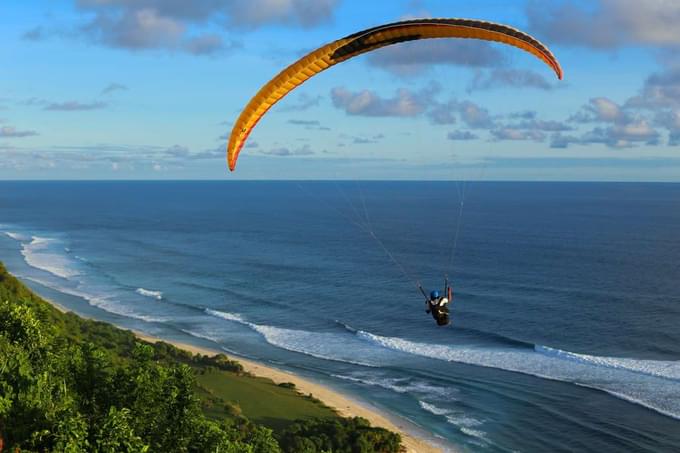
x=454, y=241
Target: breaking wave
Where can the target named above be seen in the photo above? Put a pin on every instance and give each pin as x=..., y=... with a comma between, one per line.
x=322, y=345
x=667, y=369
x=16, y=236
x=654, y=384
x=107, y=303
x=411, y=386
x=46, y=254
x=149, y=293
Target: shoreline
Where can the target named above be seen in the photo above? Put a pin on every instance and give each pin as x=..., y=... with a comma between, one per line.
x=344, y=405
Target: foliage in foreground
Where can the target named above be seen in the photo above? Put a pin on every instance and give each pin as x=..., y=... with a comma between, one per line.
x=73, y=397
x=345, y=435
x=74, y=385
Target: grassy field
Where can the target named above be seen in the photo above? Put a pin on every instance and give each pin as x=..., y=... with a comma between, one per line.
x=259, y=399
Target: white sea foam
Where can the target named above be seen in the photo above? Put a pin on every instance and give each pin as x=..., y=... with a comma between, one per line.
x=462, y=421
x=16, y=236
x=202, y=335
x=431, y=408
x=104, y=302
x=227, y=316
x=650, y=383
x=45, y=254
x=402, y=385
x=327, y=346
x=661, y=368
x=474, y=433
x=149, y=293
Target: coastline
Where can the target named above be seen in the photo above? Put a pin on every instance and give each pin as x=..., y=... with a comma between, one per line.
x=345, y=406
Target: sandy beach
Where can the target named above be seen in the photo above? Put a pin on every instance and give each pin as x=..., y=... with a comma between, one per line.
x=345, y=406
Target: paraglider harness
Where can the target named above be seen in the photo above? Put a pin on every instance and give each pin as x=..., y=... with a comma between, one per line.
x=439, y=306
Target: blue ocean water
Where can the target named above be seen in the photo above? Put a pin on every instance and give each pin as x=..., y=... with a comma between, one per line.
x=565, y=323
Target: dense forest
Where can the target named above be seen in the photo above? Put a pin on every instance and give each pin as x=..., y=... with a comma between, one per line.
x=69, y=384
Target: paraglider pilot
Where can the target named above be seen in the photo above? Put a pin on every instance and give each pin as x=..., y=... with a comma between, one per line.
x=438, y=305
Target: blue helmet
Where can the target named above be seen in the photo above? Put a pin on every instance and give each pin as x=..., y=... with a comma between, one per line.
x=434, y=294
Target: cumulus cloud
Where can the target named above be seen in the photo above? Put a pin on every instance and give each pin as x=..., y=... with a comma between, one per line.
x=599, y=109
x=12, y=132
x=530, y=127
x=408, y=103
x=117, y=155
x=405, y=103
x=515, y=78
x=443, y=113
x=625, y=135
x=461, y=135
x=111, y=87
x=674, y=138
x=285, y=151
x=525, y=115
x=304, y=122
x=660, y=90
x=256, y=13
x=411, y=58
x=134, y=28
x=177, y=151
x=71, y=106
x=183, y=153
x=35, y=34
x=600, y=121
x=562, y=141
x=606, y=24
x=309, y=124
x=470, y=113
x=171, y=24
x=542, y=125
x=367, y=140
x=659, y=101
x=209, y=44
x=509, y=133
x=629, y=124
x=304, y=101
x=474, y=116
x=671, y=121
x=631, y=132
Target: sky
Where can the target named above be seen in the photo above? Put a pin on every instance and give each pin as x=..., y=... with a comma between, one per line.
x=150, y=89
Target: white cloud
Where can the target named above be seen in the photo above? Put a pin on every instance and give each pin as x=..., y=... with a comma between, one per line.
x=405, y=103
x=256, y=13
x=12, y=132
x=599, y=109
x=412, y=58
x=607, y=23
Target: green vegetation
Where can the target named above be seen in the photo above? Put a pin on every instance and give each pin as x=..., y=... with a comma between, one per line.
x=69, y=384
x=261, y=400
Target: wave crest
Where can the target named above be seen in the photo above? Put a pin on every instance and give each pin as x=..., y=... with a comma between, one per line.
x=47, y=255
x=650, y=383
x=322, y=345
x=149, y=293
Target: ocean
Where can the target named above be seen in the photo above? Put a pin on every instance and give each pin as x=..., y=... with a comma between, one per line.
x=565, y=324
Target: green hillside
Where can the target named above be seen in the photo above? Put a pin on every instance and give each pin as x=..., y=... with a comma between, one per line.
x=69, y=384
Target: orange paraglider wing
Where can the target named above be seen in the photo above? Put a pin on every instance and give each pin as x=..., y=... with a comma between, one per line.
x=366, y=41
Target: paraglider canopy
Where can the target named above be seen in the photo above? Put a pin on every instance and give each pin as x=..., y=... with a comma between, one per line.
x=366, y=41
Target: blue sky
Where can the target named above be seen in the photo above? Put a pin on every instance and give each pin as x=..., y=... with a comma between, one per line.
x=149, y=89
